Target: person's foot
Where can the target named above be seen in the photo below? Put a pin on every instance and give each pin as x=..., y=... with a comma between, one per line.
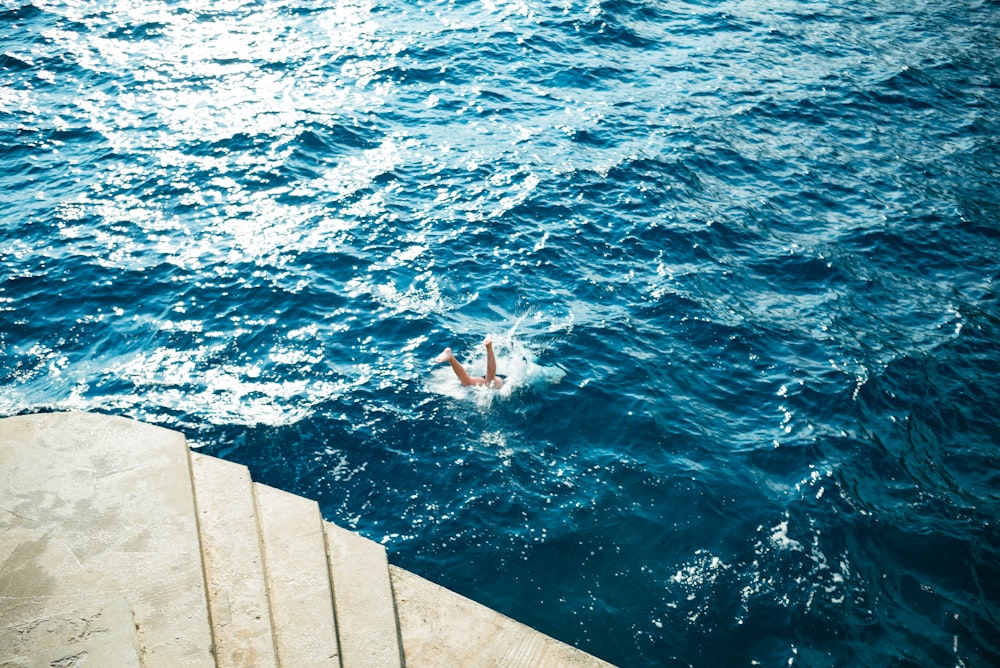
x=444, y=357
x=489, y=340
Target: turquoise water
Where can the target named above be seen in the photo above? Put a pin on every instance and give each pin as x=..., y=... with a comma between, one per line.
x=739, y=260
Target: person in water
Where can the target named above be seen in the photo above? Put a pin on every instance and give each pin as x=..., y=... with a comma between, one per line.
x=490, y=380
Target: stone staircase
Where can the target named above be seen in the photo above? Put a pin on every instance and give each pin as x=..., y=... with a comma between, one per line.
x=119, y=546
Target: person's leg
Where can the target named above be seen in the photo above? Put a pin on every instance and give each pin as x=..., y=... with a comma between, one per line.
x=463, y=376
x=491, y=364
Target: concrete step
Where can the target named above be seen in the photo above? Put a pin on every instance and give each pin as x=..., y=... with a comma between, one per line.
x=441, y=628
x=362, y=595
x=95, y=509
x=298, y=579
x=110, y=530
x=102, y=635
x=234, y=565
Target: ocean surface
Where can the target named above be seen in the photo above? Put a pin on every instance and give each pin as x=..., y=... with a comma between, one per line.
x=740, y=261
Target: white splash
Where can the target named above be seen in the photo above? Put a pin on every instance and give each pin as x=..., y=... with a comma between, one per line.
x=516, y=362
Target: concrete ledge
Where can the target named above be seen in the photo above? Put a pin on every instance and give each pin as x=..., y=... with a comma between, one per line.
x=441, y=628
x=362, y=595
x=101, y=636
x=110, y=530
x=234, y=566
x=298, y=579
x=96, y=508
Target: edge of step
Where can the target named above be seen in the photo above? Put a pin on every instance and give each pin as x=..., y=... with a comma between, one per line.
x=234, y=565
x=439, y=627
x=364, y=601
x=298, y=578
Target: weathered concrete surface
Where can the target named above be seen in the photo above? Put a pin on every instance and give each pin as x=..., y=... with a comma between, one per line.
x=96, y=508
x=234, y=567
x=362, y=596
x=101, y=564
x=298, y=579
x=441, y=628
x=100, y=636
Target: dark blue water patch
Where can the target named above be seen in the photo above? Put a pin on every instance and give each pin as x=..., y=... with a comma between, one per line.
x=615, y=26
x=25, y=26
x=586, y=76
x=24, y=12
x=11, y=62
x=930, y=567
x=902, y=453
x=918, y=412
x=140, y=32
x=797, y=274
x=920, y=251
x=46, y=159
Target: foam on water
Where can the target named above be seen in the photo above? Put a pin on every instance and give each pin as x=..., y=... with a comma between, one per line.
x=516, y=362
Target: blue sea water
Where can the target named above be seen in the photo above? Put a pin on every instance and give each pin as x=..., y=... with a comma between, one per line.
x=740, y=261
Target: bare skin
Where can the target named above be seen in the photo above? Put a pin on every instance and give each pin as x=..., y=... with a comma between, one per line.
x=490, y=380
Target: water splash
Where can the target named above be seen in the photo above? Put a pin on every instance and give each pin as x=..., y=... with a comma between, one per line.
x=517, y=363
